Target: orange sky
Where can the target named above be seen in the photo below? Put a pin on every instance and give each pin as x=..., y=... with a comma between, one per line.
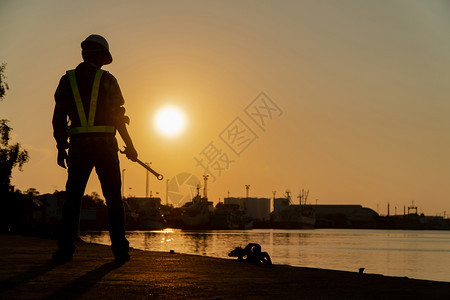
x=362, y=87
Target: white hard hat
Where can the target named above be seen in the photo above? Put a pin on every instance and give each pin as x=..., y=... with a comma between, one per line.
x=98, y=40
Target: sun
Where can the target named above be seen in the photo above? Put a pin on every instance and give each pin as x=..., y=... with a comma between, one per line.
x=170, y=121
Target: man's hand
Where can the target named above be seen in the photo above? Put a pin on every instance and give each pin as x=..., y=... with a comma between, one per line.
x=62, y=157
x=131, y=153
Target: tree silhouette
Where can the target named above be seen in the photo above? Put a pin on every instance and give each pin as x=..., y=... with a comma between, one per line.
x=11, y=155
x=3, y=85
x=32, y=191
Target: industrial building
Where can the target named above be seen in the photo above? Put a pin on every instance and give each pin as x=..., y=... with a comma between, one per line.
x=345, y=216
x=257, y=208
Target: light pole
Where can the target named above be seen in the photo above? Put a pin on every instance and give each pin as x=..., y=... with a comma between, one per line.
x=146, y=180
x=167, y=192
x=123, y=183
x=205, y=178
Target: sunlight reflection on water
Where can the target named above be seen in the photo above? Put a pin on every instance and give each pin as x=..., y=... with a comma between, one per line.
x=415, y=254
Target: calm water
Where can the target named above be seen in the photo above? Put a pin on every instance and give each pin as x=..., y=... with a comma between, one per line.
x=415, y=254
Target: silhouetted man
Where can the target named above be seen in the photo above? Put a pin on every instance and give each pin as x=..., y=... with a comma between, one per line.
x=90, y=98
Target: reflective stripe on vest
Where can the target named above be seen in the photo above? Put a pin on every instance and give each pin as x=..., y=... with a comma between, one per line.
x=87, y=125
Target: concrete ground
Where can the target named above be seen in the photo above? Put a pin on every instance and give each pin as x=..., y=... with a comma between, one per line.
x=26, y=273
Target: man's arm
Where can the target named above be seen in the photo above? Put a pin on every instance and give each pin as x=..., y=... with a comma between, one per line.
x=118, y=114
x=130, y=151
x=59, y=123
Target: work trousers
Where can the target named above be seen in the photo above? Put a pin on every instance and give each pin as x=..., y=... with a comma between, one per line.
x=85, y=153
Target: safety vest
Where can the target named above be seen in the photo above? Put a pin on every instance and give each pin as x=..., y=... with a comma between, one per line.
x=87, y=125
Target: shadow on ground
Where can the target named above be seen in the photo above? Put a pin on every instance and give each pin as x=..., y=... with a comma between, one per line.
x=26, y=276
x=76, y=288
